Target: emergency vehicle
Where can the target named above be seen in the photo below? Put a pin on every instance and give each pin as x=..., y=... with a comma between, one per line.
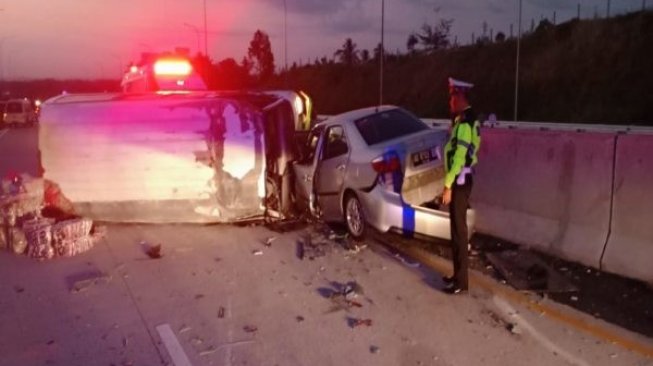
x=166, y=149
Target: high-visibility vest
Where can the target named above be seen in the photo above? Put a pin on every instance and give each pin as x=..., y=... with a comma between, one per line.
x=461, y=152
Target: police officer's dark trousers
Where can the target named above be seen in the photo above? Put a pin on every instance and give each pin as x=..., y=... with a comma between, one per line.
x=458, y=213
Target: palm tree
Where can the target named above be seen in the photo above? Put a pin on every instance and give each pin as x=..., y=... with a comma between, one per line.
x=348, y=54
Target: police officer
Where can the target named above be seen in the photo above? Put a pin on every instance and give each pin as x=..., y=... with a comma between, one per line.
x=460, y=158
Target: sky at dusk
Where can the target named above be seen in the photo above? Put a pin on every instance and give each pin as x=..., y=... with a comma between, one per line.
x=98, y=38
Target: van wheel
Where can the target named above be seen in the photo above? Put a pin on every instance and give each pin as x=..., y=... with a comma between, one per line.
x=354, y=217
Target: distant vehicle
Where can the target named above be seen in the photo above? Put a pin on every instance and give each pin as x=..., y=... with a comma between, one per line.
x=380, y=167
x=19, y=112
x=3, y=103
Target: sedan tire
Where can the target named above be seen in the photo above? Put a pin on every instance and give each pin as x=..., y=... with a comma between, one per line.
x=354, y=217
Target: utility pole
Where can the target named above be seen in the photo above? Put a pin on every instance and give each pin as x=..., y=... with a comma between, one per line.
x=197, y=35
x=643, y=5
x=206, y=34
x=578, y=12
x=554, y=17
x=381, y=53
x=517, y=62
x=285, y=37
x=607, y=12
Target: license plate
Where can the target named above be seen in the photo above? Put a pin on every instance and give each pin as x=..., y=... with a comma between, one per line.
x=425, y=156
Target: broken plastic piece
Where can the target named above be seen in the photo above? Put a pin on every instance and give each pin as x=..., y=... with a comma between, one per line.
x=250, y=328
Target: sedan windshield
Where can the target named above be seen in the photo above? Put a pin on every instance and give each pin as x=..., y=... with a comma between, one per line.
x=388, y=125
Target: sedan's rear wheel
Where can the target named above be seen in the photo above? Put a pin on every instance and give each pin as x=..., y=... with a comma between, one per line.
x=354, y=217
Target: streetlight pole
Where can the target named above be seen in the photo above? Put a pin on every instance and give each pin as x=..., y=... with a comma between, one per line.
x=381, y=53
x=197, y=35
x=285, y=36
x=206, y=34
x=517, y=62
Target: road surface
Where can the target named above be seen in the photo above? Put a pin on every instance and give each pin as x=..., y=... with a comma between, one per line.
x=220, y=296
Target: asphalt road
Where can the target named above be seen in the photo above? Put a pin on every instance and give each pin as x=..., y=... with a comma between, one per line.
x=220, y=296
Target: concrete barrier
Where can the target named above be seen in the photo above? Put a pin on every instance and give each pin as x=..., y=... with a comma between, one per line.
x=630, y=247
x=545, y=189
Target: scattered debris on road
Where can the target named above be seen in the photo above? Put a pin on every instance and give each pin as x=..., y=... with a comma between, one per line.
x=83, y=281
x=221, y=312
x=152, y=251
x=524, y=270
x=208, y=351
x=342, y=295
x=257, y=252
x=513, y=328
x=199, y=296
x=184, y=329
x=268, y=241
x=250, y=328
x=374, y=349
x=406, y=262
x=299, y=318
x=356, y=322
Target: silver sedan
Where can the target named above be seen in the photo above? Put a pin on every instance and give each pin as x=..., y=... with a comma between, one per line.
x=380, y=167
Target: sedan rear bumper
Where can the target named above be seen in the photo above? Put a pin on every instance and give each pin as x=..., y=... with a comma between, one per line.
x=386, y=211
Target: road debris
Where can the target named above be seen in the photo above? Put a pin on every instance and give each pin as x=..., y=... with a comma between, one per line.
x=525, y=270
x=19, y=289
x=299, y=318
x=374, y=349
x=257, y=252
x=199, y=296
x=208, y=351
x=342, y=295
x=184, y=329
x=152, y=251
x=309, y=248
x=196, y=341
x=268, y=241
x=221, y=312
x=250, y=328
x=351, y=290
x=356, y=322
x=513, y=328
x=88, y=279
x=405, y=261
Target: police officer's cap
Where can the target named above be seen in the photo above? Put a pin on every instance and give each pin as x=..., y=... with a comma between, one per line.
x=458, y=86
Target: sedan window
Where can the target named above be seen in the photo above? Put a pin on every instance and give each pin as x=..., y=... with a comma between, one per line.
x=384, y=126
x=336, y=144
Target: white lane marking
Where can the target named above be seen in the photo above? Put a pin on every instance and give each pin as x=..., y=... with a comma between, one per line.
x=172, y=345
x=228, y=354
x=509, y=311
x=3, y=132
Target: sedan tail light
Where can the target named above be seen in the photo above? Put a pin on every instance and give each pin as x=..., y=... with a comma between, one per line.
x=388, y=166
x=387, y=163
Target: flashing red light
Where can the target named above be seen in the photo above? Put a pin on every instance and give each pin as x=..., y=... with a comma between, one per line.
x=172, y=67
x=133, y=69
